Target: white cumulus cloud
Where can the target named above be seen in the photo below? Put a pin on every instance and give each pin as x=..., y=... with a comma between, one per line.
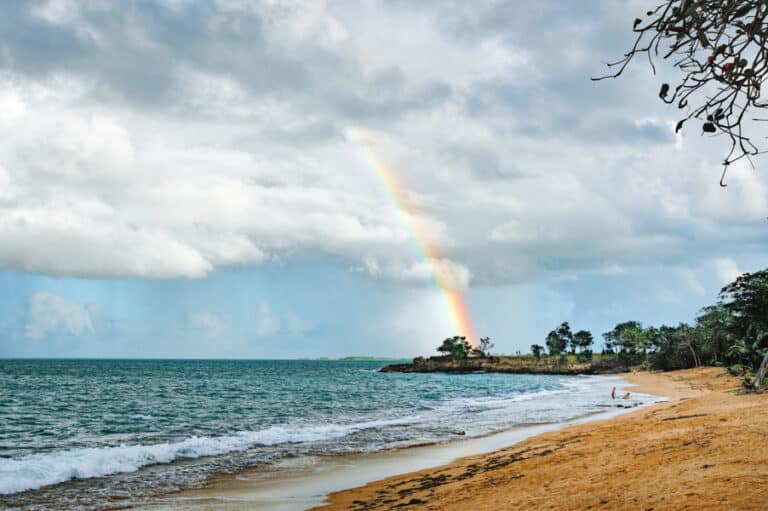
x=448, y=274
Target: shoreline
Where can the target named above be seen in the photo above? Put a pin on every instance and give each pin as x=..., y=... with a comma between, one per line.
x=307, y=482
x=703, y=449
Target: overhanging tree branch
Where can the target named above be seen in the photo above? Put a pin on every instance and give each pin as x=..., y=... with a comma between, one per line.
x=720, y=48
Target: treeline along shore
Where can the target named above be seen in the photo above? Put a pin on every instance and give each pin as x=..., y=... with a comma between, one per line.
x=517, y=364
x=731, y=333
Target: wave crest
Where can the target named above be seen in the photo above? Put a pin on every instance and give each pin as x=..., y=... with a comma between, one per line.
x=37, y=470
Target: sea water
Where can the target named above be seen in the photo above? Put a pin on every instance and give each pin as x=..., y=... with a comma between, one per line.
x=100, y=434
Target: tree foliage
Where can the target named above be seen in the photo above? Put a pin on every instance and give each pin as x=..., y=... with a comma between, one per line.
x=583, y=341
x=558, y=340
x=456, y=347
x=562, y=339
x=537, y=350
x=627, y=338
x=733, y=332
x=746, y=299
x=565, y=335
x=719, y=49
x=484, y=348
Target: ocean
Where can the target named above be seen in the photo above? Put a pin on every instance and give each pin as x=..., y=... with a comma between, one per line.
x=101, y=434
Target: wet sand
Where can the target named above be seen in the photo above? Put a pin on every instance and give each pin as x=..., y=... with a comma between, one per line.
x=705, y=449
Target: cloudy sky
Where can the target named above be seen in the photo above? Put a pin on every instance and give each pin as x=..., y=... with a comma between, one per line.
x=178, y=179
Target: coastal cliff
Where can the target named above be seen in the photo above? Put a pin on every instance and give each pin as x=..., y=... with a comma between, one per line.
x=520, y=364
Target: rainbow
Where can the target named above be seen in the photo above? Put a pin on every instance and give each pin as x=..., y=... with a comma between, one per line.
x=425, y=248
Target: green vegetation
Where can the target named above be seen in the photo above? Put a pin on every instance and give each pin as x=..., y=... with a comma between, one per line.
x=513, y=364
x=459, y=356
x=456, y=347
x=562, y=340
x=459, y=348
x=731, y=333
x=484, y=349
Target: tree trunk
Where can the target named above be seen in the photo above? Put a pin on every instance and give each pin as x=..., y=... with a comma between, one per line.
x=696, y=361
x=761, y=372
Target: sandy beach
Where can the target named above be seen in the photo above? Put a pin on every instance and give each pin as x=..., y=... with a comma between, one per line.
x=705, y=449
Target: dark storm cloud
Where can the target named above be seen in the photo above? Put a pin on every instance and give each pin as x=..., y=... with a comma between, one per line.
x=235, y=115
x=136, y=52
x=565, y=44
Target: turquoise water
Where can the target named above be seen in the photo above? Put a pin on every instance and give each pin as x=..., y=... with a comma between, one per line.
x=96, y=434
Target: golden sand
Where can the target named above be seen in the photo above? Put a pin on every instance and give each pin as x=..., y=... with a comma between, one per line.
x=705, y=449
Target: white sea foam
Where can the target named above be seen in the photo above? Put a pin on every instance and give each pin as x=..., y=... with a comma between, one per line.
x=38, y=470
x=473, y=415
x=576, y=397
x=141, y=416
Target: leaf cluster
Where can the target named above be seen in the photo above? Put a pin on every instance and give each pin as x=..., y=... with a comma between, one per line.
x=456, y=347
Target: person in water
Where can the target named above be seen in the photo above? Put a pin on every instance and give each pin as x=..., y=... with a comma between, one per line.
x=613, y=393
x=626, y=396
